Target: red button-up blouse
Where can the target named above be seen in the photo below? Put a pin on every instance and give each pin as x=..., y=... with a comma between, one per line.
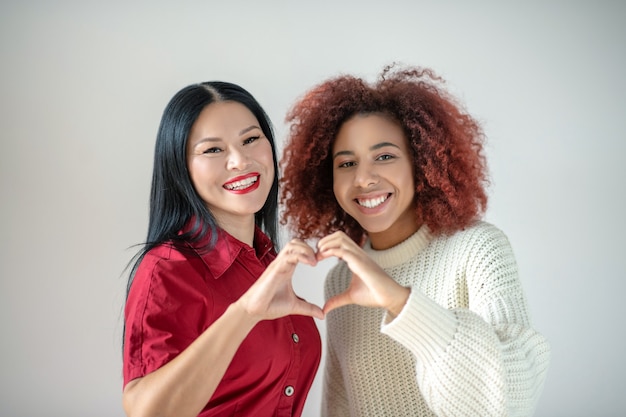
x=175, y=296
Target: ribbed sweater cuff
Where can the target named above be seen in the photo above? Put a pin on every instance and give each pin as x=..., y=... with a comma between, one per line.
x=423, y=326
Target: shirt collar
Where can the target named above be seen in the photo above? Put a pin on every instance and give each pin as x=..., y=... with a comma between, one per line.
x=227, y=248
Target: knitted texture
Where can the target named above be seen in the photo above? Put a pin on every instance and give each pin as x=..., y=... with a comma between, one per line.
x=463, y=344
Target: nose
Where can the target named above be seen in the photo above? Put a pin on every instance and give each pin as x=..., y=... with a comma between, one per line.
x=365, y=176
x=238, y=159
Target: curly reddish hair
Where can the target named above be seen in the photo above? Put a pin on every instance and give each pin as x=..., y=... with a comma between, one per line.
x=446, y=143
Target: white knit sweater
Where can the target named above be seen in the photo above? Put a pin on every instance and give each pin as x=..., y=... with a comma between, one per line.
x=462, y=346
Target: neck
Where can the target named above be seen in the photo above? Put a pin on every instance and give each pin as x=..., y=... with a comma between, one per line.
x=241, y=228
x=397, y=233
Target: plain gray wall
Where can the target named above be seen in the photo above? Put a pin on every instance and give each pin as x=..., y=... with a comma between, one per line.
x=82, y=89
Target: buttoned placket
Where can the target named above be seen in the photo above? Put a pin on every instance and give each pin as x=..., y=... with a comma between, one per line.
x=289, y=389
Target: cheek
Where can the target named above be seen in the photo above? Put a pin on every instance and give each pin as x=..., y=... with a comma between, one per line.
x=267, y=158
x=193, y=172
x=405, y=176
x=201, y=172
x=335, y=187
x=269, y=163
x=339, y=193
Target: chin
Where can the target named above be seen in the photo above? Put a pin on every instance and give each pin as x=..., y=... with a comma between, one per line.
x=374, y=228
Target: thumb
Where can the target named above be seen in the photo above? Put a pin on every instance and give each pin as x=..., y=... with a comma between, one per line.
x=337, y=301
x=304, y=308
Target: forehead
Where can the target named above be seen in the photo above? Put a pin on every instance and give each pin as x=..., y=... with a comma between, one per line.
x=222, y=118
x=365, y=130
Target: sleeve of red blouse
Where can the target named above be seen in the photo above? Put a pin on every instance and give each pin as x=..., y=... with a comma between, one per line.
x=166, y=310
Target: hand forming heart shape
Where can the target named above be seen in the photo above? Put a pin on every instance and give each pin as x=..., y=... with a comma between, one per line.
x=370, y=285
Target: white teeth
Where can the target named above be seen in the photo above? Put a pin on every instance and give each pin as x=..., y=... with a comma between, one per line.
x=373, y=202
x=240, y=185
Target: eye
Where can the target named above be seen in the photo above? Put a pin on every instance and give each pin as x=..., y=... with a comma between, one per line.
x=251, y=139
x=214, y=149
x=346, y=164
x=385, y=157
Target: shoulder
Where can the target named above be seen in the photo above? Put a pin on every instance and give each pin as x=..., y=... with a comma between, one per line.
x=481, y=234
x=481, y=230
x=163, y=253
x=481, y=244
x=173, y=250
x=165, y=260
x=488, y=250
x=166, y=274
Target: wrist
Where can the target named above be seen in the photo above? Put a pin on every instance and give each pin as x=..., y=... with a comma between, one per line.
x=242, y=315
x=399, y=301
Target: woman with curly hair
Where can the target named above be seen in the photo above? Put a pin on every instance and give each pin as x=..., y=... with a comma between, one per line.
x=426, y=312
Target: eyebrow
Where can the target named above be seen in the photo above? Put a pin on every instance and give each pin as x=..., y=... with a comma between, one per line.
x=249, y=128
x=372, y=148
x=241, y=133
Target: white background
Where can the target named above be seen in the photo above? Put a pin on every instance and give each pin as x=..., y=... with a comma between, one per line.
x=82, y=88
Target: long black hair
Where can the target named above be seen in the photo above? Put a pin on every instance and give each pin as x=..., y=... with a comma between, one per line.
x=173, y=199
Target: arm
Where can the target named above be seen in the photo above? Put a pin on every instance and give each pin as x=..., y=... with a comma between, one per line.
x=468, y=365
x=485, y=359
x=185, y=384
x=481, y=360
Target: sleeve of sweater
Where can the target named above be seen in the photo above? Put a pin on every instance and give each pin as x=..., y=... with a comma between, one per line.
x=483, y=360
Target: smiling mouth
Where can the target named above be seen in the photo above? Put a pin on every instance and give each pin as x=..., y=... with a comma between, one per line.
x=372, y=202
x=242, y=184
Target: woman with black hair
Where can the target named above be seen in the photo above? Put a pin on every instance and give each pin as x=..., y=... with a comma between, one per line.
x=212, y=324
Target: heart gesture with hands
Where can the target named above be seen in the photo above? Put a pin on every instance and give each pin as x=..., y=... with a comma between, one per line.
x=370, y=285
x=272, y=295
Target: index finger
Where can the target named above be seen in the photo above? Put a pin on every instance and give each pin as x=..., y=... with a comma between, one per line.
x=298, y=251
